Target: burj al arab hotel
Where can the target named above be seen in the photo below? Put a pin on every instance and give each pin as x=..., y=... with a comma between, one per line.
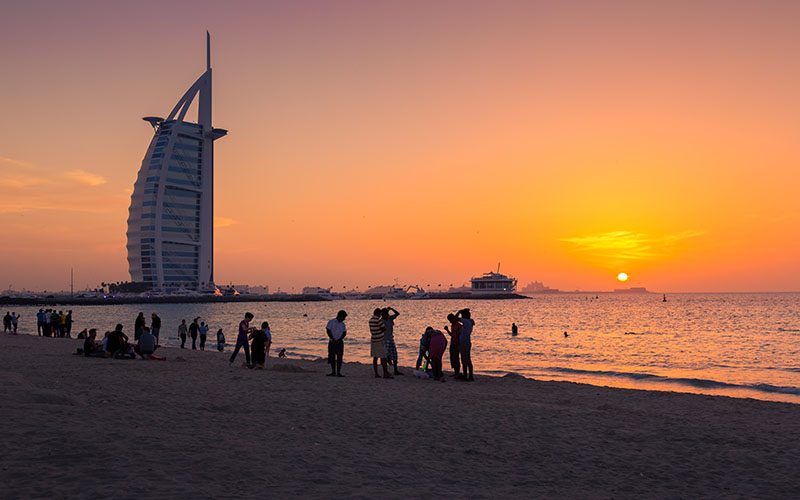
x=171, y=216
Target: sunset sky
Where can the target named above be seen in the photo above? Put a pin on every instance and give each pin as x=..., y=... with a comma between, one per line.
x=422, y=141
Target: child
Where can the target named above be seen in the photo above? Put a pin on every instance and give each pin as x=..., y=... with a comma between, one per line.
x=268, y=343
x=220, y=340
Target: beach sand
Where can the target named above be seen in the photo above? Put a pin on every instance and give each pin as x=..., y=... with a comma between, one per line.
x=194, y=427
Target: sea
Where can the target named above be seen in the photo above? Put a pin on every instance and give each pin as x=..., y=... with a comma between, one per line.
x=740, y=345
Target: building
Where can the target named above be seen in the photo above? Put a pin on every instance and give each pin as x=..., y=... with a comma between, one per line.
x=171, y=216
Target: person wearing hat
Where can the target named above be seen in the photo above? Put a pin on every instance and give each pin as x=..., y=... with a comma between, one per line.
x=336, y=331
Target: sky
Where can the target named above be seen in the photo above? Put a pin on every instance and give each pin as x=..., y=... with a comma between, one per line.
x=417, y=142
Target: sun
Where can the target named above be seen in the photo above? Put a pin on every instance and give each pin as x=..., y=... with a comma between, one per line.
x=622, y=277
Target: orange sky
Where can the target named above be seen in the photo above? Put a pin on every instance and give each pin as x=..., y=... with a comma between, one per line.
x=418, y=141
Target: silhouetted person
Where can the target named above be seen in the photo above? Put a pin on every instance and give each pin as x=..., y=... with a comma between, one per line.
x=258, y=346
x=203, y=331
x=389, y=314
x=465, y=342
x=455, y=333
x=68, y=324
x=40, y=322
x=194, y=329
x=336, y=331
x=183, y=330
x=220, y=340
x=566, y=334
x=377, y=346
x=138, y=326
x=242, y=340
x=514, y=330
x=155, y=326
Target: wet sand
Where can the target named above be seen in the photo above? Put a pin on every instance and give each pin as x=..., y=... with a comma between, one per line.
x=192, y=426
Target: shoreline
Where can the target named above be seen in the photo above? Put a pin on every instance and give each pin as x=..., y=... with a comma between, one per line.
x=191, y=425
x=211, y=299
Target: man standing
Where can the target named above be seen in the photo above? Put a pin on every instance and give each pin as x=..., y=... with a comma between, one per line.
x=454, y=330
x=40, y=321
x=68, y=324
x=465, y=342
x=241, y=340
x=378, y=348
x=194, y=328
x=155, y=325
x=336, y=331
x=182, y=331
x=389, y=314
x=203, y=330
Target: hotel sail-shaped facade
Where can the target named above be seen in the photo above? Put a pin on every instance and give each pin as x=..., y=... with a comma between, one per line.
x=171, y=216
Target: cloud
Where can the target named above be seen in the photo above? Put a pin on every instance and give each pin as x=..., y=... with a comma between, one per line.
x=16, y=163
x=85, y=178
x=21, y=181
x=224, y=222
x=627, y=245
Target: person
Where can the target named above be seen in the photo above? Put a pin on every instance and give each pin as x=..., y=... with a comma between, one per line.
x=55, y=321
x=389, y=314
x=454, y=331
x=465, y=343
x=14, y=321
x=46, y=332
x=117, y=342
x=91, y=349
x=194, y=328
x=83, y=334
x=146, y=346
x=241, y=340
x=62, y=324
x=40, y=321
x=282, y=353
x=268, y=336
x=203, y=330
x=514, y=330
x=68, y=324
x=436, y=347
x=378, y=348
x=337, y=331
x=424, y=343
x=7, y=322
x=220, y=340
x=155, y=326
x=138, y=326
x=258, y=341
x=566, y=334
x=182, y=330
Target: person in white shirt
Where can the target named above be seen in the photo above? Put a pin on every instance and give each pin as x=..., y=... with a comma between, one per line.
x=336, y=331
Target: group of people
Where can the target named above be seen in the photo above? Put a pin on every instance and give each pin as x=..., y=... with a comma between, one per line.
x=254, y=341
x=116, y=344
x=432, y=345
x=52, y=323
x=10, y=322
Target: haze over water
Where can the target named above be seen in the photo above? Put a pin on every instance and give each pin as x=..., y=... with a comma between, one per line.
x=742, y=345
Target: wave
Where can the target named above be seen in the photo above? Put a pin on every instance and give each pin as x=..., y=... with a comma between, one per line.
x=693, y=382
x=793, y=330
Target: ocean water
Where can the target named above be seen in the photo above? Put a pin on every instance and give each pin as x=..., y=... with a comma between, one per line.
x=740, y=345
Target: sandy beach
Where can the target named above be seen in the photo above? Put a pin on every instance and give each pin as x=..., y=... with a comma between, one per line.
x=193, y=426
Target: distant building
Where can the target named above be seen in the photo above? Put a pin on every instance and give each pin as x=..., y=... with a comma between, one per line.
x=171, y=216
x=538, y=287
x=634, y=289
x=315, y=290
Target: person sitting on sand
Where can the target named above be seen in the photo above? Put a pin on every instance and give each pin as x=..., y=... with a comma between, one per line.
x=117, y=342
x=336, y=331
x=258, y=343
x=146, y=346
x=377, y=331
x=241, y=340
x=436, y=347
x=220, y=340
x=465, y=342
x=91, y=348
x=424, y=343
x=83, y=334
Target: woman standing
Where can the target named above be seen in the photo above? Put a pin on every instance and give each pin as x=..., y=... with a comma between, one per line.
x=258, y=344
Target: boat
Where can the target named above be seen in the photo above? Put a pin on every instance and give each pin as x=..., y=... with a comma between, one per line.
x=493, y=282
